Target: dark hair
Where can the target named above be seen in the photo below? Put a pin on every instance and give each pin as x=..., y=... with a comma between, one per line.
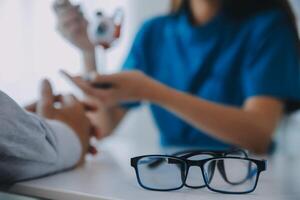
x=242, y=9
x=245, y=8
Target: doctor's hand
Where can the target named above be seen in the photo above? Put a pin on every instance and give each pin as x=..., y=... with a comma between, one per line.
x=118, y=88
x=69, y=111
x=73, y=26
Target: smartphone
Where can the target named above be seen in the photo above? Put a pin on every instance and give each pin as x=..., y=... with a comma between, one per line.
x=103, y=86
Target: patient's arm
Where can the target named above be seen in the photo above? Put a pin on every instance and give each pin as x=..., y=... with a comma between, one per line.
x=31, y=147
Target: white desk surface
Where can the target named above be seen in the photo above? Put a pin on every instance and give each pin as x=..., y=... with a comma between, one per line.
x=110, y=176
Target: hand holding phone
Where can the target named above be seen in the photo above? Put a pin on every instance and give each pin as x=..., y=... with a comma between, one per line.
x=88, y=80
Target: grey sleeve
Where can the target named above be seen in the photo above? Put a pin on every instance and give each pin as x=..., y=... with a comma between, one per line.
x=32, y=147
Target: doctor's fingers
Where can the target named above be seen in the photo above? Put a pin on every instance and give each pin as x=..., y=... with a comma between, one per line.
x=84, y=86
x=113, y=79
x=105, y=96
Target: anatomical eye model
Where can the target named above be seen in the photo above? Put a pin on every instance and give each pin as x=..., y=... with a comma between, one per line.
x=103, y=30
x=107, y=29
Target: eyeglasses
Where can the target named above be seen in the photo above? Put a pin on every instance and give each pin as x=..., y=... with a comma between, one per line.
x=229, y=172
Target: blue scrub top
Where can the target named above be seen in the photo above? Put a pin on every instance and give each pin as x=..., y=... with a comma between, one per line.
x=225, y=61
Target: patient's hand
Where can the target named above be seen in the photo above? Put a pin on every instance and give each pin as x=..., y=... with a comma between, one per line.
x=70, y=111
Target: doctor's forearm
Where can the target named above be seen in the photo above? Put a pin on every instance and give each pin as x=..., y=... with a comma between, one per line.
x=89, y=61
x=236, y=126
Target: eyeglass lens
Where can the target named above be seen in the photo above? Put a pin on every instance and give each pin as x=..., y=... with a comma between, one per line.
x=233, y=175
x=168, y=174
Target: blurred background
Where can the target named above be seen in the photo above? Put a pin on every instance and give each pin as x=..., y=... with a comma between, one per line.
x=31, y=49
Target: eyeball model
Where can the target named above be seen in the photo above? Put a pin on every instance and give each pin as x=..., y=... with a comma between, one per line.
x=106, y=30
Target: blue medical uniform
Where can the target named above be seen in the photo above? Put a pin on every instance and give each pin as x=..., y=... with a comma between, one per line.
x=225, y=61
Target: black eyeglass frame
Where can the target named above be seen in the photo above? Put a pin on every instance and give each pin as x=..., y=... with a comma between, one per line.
x=261, y=166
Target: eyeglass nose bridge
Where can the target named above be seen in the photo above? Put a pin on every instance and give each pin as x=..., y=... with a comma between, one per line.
x=195, y=163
